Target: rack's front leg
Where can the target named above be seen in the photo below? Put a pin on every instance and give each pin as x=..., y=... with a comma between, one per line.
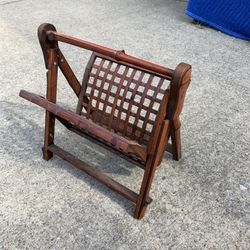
x=51, y=96
x=152, y=163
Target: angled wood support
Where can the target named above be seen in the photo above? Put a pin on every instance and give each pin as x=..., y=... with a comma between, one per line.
x=68, y=73
x=90, y=128
x=125, y=104
x=104, y=179
x=178, y=87
x=151, y=166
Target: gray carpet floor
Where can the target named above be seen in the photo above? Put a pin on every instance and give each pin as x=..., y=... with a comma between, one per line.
x=200, y=202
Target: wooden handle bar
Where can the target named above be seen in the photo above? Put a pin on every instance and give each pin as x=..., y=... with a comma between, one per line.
x=85, y=124
x=115, y=54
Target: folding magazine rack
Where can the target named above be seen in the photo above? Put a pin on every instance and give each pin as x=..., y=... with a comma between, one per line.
x=124, y=104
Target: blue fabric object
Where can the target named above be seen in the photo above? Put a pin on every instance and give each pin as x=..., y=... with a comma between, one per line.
x=229, y=16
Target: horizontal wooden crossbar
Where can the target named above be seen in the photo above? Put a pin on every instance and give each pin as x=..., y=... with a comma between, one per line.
x=79, y=132
x=113, y=139
x=116, y=54
x=97, y=174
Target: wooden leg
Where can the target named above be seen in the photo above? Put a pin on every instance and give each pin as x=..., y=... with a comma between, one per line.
x=141, y=205
x=175, y=138
x=48, y=135
x=51, y=96
x=151, y=166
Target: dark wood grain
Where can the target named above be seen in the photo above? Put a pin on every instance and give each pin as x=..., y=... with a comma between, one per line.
x=127, y=105
x=51, y=96
x=95, y=173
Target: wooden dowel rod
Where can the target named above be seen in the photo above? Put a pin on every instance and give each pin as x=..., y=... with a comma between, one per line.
x=97, y=174
x=116, y=54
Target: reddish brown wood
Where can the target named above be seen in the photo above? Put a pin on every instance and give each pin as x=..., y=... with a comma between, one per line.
x=84, y=86
x=124, y=104
x=45, y=43
x=175, y=135
x=51, y=96
x=122, y=99
x=80, y=132
x=178, y=87
x=68, y=73
x=118, y=55
x=113, y=140
x=151, y=166
x=95, y=173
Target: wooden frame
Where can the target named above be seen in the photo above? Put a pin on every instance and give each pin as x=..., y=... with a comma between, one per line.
x=124, y=104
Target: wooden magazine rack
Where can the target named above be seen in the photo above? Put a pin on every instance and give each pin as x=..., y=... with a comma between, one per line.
x=126, y=104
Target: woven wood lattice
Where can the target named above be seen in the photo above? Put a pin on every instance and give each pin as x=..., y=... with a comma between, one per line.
x=122, y=99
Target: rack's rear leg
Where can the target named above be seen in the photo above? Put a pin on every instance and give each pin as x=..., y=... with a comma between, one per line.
x=51, y=96
x=175, y=135
x=141, y=205
x=48, y=135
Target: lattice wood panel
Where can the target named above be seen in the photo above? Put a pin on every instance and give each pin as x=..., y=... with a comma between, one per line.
x=123, y=99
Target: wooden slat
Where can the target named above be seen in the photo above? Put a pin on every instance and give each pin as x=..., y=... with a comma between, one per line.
x=90, y=127
x=90, y=107
x=101, y=92
x=49, y=131
x=150, y=171
x=150, y=107
x=114, y=107
x=106, y=101
x=97, y=174
x=69, y=74
x=123, y=99
x=138, y=113
x=133, y=66
x=118, y=55
x=78, y=131
x=82, y=97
